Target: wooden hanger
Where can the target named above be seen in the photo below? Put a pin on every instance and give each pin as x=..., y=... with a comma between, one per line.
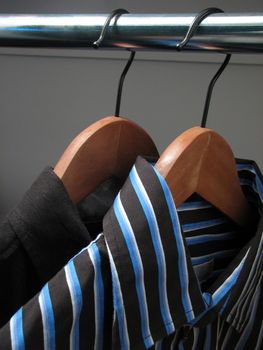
x=107, y=147
x=201, y=161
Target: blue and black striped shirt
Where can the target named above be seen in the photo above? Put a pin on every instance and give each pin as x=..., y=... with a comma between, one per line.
x=156, y=278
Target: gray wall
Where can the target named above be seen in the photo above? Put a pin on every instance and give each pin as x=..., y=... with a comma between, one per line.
x=105, y=6
x=46, y=100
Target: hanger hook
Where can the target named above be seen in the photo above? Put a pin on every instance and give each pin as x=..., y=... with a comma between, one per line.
x=210, y=89
x=195, y=24
x=96, y=45
x=191, y=31
x=114, y=13
x=120, y=85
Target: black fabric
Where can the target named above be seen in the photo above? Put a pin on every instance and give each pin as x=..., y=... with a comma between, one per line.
x=93, y=208
x=42, y=233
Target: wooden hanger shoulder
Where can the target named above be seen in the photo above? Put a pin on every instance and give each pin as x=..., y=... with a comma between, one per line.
x=107, y=147
x=201, y=161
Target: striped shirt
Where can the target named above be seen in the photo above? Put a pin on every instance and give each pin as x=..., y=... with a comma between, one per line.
x=156, y=278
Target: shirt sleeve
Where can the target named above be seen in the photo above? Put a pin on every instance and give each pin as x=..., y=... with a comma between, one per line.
x=37, y=238
x=72, y=311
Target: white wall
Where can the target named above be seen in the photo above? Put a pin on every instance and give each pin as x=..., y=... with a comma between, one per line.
x=46, y=100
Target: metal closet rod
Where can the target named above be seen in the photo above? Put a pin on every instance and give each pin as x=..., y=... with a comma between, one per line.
x=226, y=32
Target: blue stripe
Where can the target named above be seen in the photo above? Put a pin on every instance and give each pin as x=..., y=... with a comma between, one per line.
x=227, y=285
x=250, y=183
x=158, y=345
x=99, y=295
x=48, y=318
x=217, y=255
x=18, y=342
x=204, y=224
x=181, y=345
x=212, y=300
x=194, y=205
x=118, y=305
x=182, y=265
x=158, y=249
x=250, y=168
x=138, y=271
x=76, y=296
x=259, y=188
x=210, y=238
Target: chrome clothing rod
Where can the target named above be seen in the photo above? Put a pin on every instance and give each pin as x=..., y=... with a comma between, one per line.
x=223, y=32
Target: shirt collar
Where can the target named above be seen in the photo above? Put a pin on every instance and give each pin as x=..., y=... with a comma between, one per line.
x=154, y=283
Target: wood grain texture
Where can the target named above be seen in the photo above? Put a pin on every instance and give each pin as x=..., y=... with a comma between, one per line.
x=107, y=147
x=201, y=161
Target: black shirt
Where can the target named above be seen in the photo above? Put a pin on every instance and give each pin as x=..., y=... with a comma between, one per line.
x=42, y=233
x=158, y=277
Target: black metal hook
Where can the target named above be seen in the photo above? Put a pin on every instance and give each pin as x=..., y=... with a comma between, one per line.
x=115, y=13
x=210, y=89
x=120, y=85
x=195, y=24
x=96, y=45
x=191, y=31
